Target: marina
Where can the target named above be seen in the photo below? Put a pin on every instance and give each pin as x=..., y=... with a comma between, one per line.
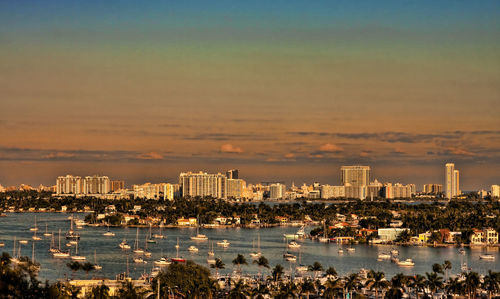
x=268, y=241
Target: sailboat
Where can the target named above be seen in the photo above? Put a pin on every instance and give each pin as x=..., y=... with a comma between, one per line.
x=301, y=267
x=35, y=237
x=256, y=254
x=108, y=233
x=77, y=257
x=14, y=259
x=35, y=228
x=96, y=265
x=58, y=253
x=159, y=236
x=137, y=250
x=35, y=266
x=146, y=252
x=71, y=234
x=124, y=245
x=150, y=239
x=46, y=234
x=178, y=259
x=324, y=239
x=199, y=237
x=211, y=250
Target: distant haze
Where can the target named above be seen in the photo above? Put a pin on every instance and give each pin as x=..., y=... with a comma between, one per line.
x=281, y=90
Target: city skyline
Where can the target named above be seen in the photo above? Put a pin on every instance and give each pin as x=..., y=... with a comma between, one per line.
x=282, y=91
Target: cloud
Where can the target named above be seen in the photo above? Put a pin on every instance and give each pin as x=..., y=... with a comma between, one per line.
x=330, y=148
x=290, y=156
x=58, y=155
x=150, y=156
x=460, y=152
x=364, y=153
x=229, y=148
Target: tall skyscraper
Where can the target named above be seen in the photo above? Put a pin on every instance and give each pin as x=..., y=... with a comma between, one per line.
x=452, y=181
x=356, y=176
x=232, y=174
x=69, y=185
x=203, y=184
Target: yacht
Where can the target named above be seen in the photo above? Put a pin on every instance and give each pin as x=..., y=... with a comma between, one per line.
x=57, y=252
x=289, y=257
x=351, y=249
x=35, y=237
x=199, y=237
x=124, y=245
x=211, y=250
x=162, y=262
x=394, y=252
x=301, y=267
x=192, y=249
x=2, y=244
x=489, y=257
x=406, y=263
x=108, y=233
x=294, y=245
x=71, y=234
x=140, y=260
x=223, y=243
x=298, y=235
x=341, y=251
x=211, y=260
x=150, y=239
x=23, y=241
x=160, y=235
x=35, y=228
x=384, y=256
x=256, y=253
x=177, y=259
x=137, y=250
x=461, y=251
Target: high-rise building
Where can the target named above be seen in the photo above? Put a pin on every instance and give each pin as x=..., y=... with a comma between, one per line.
x=69, y=185
x=203, y=184
x=117, y=185
x=232, y=174
x=277, y=191
x=235, y=188
x=356, y=176
x=96, y=185
x=433, y=188
x=452, y=181
x=495, y=191
x=328, y=191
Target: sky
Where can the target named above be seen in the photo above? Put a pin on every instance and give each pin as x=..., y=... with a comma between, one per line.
x=281, y=90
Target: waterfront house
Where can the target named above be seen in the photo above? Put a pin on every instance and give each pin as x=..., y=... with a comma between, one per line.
x=390, y=234
x=477, y=237
x=423, y=237
x=491, y=236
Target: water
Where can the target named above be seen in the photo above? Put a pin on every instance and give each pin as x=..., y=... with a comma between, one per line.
x=114, y=260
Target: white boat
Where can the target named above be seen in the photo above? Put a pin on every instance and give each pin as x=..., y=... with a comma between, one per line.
x=211, y=251
x=211, y=260
x=23, y=241
x=80, y=222
x=96, y=265
x=223, y=243
x=192, y=248
x=57, y=252
x=2, y=244
x=298, y=235
x=340, y=251
x=384, y=256
x=150, y=239
x=108, y=233
x=406, y=263
x=162, y=262
x=35, y=237
x=71, y=234
x=137, y=250
x=77, y=257
x=489, y=257
x=289, y=257
x=73, y=242
x=255, y=254
x=35, y=228
x=46, y=233
x=351, y=249
x=461, y=251
x=324, y=238
x=394, y=252
x=155, y=271
x=140, y=260
x=199, y=237
x=124, y=245
x=160, y=235
x=294, y=245
x=301, y=267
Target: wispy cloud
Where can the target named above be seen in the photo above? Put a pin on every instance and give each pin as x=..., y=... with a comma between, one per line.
x=150, y=156
x=330, y=148
x=229, y=148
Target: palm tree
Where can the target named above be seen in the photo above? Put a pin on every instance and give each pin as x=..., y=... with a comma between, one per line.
x=74, y=266
x=87, y=267
x=437, y=268
x=307, y=287
x=261, y=262
x=316, y=268
x=219, y=264
x=418, y=283
x=455, y=286
x=259, y=291
x=333, y=288
x=434, y=282
x=377, y=281
x=288, y=290
x=240, y=260
x=100, y=292
x=471, y=283
x=446, y=267
x=278, y=272
x=491, y=283
x=331, y=272
x=239, y=291
x=351, y=282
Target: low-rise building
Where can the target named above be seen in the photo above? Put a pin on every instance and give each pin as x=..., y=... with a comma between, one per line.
x=390, y=234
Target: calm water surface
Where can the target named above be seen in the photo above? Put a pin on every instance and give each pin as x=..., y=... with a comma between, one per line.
x=114, y=260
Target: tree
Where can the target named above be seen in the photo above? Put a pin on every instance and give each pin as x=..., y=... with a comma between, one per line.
x=316, y=267
x=288, y=290
x=333, y=288
x=446, y=267
x=418, y=283
x=261, y=262
x=185, y=280
x=403, y=237
x=437, y=268
x=434, y=282
x=239, y=260
x=491, y=283
x=87, y=267
x=351, y=283
x=74, y=266
x=376, y=280
x=239, y=291
x=331, y=272
x=307, y=287
x=259, y=291
x=455, y=286
x=100, y=292
x=277, y=272
x=219, y=264
x=435, y=237
x=471, y=283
